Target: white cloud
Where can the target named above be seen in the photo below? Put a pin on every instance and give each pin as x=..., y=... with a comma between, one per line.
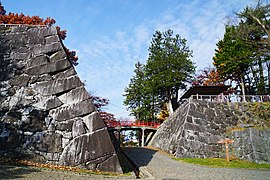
x=110, y=60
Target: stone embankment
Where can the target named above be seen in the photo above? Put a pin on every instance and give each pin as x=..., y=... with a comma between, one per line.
x=46, y=115
x=196, y=127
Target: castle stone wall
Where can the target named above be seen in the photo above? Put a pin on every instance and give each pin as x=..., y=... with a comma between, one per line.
x=46, y=115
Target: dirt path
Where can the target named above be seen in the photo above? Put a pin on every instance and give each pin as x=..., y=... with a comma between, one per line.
x=154, y=164
x=33, y=173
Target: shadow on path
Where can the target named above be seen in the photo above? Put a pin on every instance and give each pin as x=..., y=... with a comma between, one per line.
x=140, y=156
x=15, y=172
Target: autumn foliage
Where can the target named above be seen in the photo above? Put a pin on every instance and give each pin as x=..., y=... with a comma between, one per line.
x=164, y=114
x=208, y=77
x=99, y=103
x=15, y=18
x=107, y=117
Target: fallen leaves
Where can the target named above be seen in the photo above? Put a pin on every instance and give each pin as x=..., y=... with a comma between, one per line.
x=53, y=166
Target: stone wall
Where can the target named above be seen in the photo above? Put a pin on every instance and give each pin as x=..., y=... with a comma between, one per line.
x=196, y=127
x=252, y=144
x=46, y=115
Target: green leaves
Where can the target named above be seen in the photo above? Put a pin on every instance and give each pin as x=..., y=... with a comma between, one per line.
x=243, y=53
x=168, y=69
x=169, y=66
x=233, y=56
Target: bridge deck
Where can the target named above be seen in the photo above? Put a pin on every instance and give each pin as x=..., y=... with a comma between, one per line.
x=132, y=124
x=135, y=125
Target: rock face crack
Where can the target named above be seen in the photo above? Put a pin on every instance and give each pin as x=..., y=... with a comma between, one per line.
x=46, y=113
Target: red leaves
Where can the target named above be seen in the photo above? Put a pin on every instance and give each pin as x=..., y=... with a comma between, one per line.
x=208, y=77
x=107, y=117
x=100, y=102
x=72, y=56
x=61, y=33
x=15, y=18
x=48, y=21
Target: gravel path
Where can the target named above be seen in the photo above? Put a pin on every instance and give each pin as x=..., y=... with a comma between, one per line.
x=154, y=164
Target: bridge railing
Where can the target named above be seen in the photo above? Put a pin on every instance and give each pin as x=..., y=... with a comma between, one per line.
x=232, y=98
x=113, y=124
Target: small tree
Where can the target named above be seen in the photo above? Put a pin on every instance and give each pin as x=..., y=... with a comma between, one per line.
x=169, y=67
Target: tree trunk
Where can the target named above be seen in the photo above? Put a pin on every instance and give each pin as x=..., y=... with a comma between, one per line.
x=169, y=107
x=268, y=74
x=172, y=103
x=243, y=87
x=261, y=88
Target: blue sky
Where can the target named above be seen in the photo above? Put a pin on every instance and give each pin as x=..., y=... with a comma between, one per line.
x=110, y=36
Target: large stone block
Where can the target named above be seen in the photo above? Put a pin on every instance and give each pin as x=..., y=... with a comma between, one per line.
x=53, y=47
x=47, y=103
x=57, y=86
x=49, y=142
x=68, y=112
x=65, y=74
x=78, y=128
x=93, y=122
x=22, y=97
x=52, y=39
x=36, y=61
x=41, y=32
x=17, y=40
x=65, y=126
x=20, y=80
x=57, y=55
x=74, y=96
x=197, y=114
x=90, y=149
x=111, y=165
x=52, y=67
x=20, y=56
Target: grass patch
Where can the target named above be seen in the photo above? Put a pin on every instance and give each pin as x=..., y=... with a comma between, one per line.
x=218, y=162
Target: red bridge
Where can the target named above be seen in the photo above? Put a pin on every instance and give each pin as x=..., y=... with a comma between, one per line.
x=115, y=124
x=146, y=129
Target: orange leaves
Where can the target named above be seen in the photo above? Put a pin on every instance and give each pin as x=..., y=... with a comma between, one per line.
x=15, y=18
x=222, y=64
x=208, y=77
x=164, y=114
x=40, y=165
x=213, y=78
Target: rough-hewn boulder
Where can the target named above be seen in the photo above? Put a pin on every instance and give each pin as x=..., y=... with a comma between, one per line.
x=46, y=115
x=196, y=126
